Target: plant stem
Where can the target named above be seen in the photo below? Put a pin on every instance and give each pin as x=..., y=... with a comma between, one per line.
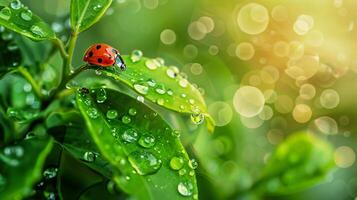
x=61, y=48
x=36, y=88
x=71, y=47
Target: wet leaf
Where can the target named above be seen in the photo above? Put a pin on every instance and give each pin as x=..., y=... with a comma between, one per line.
x=10, y=54
x=162, y=85
x=17, y=17
x=298, y=163
x=21, y=166
x=139, y=145
x=85, y=13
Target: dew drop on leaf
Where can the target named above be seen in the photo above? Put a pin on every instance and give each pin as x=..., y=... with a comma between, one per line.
x=152, y=64
x=5, y=13
x=132, y=111
x=160, y=101
x=130, y=135
x=126, y=119
x=7, y=36
x=176, y=163
x=101, y=95
x=37, y=30
x=176, y=133
x=185, y=188
x=182, y=172
x=16, y=4
x=144, y=162
x=151, y=82
x=172, y=72
x=193, y=164
x=183, y=83
x=14, y=151
x=136, y=56
x=141, y=88
x=50, y=173
x=140, y=99
x=89, y=156
x=26, y=15
x=93, y=113
x=112, y=114
x=147, y=141
x=97, y=7
x=197, y=118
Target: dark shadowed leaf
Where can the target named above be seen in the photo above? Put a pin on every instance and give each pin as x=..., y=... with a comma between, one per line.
x=21, y=166
x=139, y=145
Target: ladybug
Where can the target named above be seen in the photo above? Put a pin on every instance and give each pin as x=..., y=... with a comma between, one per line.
x=103, y=55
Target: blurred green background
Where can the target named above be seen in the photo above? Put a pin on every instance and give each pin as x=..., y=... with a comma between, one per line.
x=289, y=44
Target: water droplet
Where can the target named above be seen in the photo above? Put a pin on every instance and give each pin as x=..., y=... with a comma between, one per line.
x=140, y=99
x=89, y=156
x=14, y=151
x=126, y=119
x=147, y=141
x=5, y=13
x=170, y=92
x=185, y=188
x=172, y=72
x=7, y=36
x=37, y=30
x=26, y=15
x=50, y=173
x=193, y=164
x=101, y=95
x=93, y=113
x=151, y=82
x=176, y=163
x=144, y=162
x=182, y=172
x=136, y=56
x=16, y=4
x=160, y=89
x=132, y=111
x=152, y=64
x=12, y=46
x=183, y=83
x=160, y=101
x=130, y=135
x=112, y=114
x=141, y=88
x=97, y=7
x=176, y=133
x=197, y=118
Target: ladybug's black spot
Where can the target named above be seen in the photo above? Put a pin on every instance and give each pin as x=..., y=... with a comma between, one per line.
x=100, y=60
x=90, y=54
x=98, y=46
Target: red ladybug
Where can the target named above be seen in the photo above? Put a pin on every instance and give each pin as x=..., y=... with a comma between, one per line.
x=103, y=55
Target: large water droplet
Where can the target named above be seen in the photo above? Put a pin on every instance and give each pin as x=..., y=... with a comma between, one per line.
x=112, y=114
x=144, y=162
x=141, y=88
x=26, y=15
x=152, y=64
x=5, y=13
x=130, y=135
x=176, y=163
x=132, y=111
x=101, y=95
x=89, y=156
x=172, y=72
x=37, y=30
x=136, y=56
x=93, y=113
x=193, y=164
x=147, y=141
x=197, y=118
x=50, y=173
x=16, y=4
x=126, y=119
x=185, y=188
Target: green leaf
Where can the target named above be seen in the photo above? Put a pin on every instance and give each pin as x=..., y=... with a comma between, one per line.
x=162, y=85
x=298, y=163
x=10, y=54
x=17, y=17
x=21, y=166
x=85, y=13
x=138, y=144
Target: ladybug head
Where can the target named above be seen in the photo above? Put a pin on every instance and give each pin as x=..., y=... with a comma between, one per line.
x=120, y=62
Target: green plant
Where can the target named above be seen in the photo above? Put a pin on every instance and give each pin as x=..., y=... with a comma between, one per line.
x=126, y=142
x=69, y=133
